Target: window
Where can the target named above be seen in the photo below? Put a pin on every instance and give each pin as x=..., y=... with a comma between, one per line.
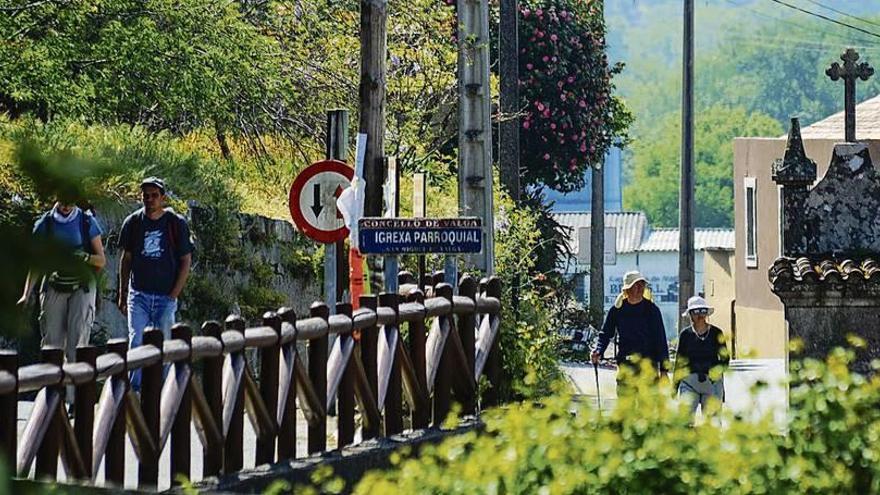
x=751, y=223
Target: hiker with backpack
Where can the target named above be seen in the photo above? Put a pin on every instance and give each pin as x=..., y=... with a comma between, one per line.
x=155, y=263
x=67, y=295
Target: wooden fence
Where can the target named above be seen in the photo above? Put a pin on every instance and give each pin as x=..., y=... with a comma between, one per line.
x=451, y=344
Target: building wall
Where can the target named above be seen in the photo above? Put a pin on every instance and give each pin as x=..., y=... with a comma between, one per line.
x=720, y=290
x=760, y=323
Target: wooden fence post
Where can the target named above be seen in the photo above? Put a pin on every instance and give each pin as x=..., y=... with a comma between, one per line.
x=417, y=341
x=47, y=455
x=369, y=341
x=85, y=397
x=493, y=362
x=233, y=451
x=114, y=455
x=443, y=379
x=265, y=453
x=318, y=377
x=467, y=287
x=9, y=411
x=345, y=395
x=151, y=396
x=180, y=430
x=287, y=428
x=393, y=397
x=212, y=383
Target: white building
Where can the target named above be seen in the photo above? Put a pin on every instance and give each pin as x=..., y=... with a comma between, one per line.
x=631, y=244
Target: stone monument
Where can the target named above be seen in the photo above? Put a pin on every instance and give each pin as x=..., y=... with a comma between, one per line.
x=828, y=276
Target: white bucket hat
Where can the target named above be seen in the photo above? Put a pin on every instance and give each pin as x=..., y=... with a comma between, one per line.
x=698, y=302
x=630, y=279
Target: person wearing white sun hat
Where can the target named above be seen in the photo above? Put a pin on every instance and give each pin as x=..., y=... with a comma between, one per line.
x=701, y=358
x=638, y=324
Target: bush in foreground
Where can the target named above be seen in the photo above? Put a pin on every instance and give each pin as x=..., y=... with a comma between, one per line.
x=826, y=444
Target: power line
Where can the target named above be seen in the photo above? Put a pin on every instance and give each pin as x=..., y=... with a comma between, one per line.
x=824, y=17
x=791, y=23
x=836, y=11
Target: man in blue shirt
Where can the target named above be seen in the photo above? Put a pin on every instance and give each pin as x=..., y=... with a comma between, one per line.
x=156, y=259
x=639, y=327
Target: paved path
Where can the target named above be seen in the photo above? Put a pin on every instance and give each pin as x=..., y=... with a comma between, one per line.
x=738, y=382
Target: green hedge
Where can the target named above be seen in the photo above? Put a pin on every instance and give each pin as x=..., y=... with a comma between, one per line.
x=828, y=443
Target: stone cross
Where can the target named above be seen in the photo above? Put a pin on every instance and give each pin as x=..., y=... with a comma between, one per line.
x=849, y=72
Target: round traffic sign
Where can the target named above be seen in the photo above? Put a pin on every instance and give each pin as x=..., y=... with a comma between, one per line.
x=312, y=200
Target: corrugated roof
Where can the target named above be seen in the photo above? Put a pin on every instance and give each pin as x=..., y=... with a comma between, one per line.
x=867, y=123
x=631, y=227
x=667, y=240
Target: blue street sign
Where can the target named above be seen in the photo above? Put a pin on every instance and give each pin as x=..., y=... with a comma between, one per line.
x=420, y=235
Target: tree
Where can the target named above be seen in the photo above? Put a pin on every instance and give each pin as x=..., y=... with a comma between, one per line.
x=569, y=116
x=654, y=177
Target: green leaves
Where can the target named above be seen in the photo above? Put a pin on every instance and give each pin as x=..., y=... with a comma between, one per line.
x=654, y=177
x=826, y=444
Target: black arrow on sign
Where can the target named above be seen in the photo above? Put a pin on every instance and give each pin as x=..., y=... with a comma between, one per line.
x=316, y=200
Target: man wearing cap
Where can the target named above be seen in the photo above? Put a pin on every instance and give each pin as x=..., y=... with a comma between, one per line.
x=638, y=324
x=156, y=258
x=701, y=358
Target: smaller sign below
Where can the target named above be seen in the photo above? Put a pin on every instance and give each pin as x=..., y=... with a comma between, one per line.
x=420, y=235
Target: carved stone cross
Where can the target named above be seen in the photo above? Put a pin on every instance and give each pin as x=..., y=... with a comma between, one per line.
x=849, y=72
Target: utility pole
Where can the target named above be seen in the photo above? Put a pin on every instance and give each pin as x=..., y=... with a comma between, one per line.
x=686, y=197
x=508, y=60
x=597, y=246
x=474, y=129
x=597, y=239
x=371, y=93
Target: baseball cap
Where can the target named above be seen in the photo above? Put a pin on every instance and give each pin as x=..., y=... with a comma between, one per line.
x=155, y=182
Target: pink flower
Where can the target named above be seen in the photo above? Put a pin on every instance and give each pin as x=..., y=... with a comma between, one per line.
x=553, y=37
x=546, y=113
x=560, y=84
x=553, y=126
x=583, y=147
x=545, y=58
x=546, y=156
x=540, y=106
x=530, y=66
x=561, y=96
x=582, y=104
x=526, y=125
x=540, y=34
x=572, y=167
x=554, y=59
x=525, y=13
x=570, y=79
x=539, y=12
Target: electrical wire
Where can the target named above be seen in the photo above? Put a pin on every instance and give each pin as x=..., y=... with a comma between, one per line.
x=797, y=25
x=836, y=11
x=826, y=18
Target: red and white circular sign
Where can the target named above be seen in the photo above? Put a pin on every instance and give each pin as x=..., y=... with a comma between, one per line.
x=312, y=200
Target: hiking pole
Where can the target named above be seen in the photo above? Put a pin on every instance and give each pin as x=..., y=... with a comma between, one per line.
x=598, y=394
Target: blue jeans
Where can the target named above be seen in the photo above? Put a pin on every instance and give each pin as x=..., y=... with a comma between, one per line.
x=148, y=310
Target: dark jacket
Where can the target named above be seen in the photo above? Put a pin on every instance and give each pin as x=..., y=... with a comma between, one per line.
x=698, y=354
x=640, y=331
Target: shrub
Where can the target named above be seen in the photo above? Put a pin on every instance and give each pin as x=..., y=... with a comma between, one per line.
x=646, y=444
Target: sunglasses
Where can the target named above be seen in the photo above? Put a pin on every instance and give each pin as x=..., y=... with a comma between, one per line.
x=700, y=311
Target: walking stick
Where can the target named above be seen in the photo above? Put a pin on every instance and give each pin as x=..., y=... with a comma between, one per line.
x=598, y=394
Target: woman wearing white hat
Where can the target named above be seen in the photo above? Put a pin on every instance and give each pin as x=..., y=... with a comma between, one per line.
x=638, y=324
x=701, y=348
